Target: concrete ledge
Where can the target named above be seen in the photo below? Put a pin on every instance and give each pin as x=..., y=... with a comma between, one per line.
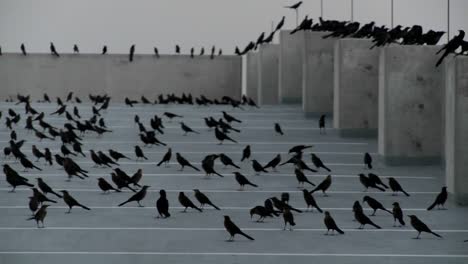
x=317, y=72
x=317, y=115
x=113, y=74
x=356, y=87
x=358, y=132
x=268, y=63
x=456, y=130
x=290, y=66
x=410, y=105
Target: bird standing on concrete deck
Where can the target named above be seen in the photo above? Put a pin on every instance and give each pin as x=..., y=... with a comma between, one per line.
x=323, y=186
x=104, y=50
x=70, y=201
x=233, y=229
x=331, y=224
x=53, y=51
x=183, y=162
x=395, y=186
x=203, y=199
x=278, y=129
x=137, y=197
x=375, y=205
x=132, y=52
x=420, y=226
x=397, y=214
x=23, y=49
x=318, y=162
x=40, y=215
x=295, y=6
x=440, y=199
x=322, y=124
x=368, y=160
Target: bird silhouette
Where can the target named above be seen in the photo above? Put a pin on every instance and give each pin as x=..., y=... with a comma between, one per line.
x=233, y=229
x=440, y=199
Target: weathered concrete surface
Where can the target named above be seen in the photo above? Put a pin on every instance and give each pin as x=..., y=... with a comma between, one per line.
x=356, y=87
x=290, y=66
x=456, y=130
x=268, y=61
x=317, y=73
x=252, y=75
x=36, y=74
x=410, y=105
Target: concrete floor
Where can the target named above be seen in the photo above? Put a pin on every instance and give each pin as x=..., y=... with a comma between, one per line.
x=111, y=234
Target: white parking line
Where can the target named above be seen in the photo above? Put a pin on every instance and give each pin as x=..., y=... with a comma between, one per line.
x=267, y=254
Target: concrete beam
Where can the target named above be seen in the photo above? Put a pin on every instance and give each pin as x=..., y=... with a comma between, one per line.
x=356, y=88
x=456, y=129
x=410, y=105
x=252, y=75
x=268, y=62
x=317, y=73
x=290, y=67
x=113, y=74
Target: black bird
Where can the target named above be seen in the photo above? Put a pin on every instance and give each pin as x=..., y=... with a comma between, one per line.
x=310, y=201
x=156, y=52
x=41, y=198
x=233, y=229
x=183, y=162
x=105, y=186
x=395, y=186
x=273, y=163
x=323, y=186
x=121, y=182
x=75, y=49
x=192, y=51
x=227, y=161
x=37, y=153
x=278, y=129
x=285, y=197
x=298, y=148
x=46, y=188
x=171, y=115
x=376, y=179
x=261, y=211
x=440, y=199
x=288, y=218
x=48, y=156
x=72, y=169
x=132, y=52
x=77, y=148
x=258, y=167
x=186, y=202
x=420, y=226
x=318, y=162
x=230, y=118
x=282, y=205
x=33, y=204
x=177, y=49
x=105, y=159
x=53, y=50
x=166, y=158
x=451, y=46
x=187, y=129
x=40, y=215
x=295, y=6
x=368, y=160
x=368, y=182
x=65, y=151
x=397, y=214
x=203, y=199
x=301, y=178
x=222, y=136
x=269, y=206
x=70, y=201
x=375, y=205
x=162, y=205
x=246, y=152
x=137, y=197
x=363, y=219
x=242, y=180
x=208, y=165
x=23, y=49
x=322, y=124
x=97, y=160
x=331, y=224
x=139, y=153
x=104, y=50
x=117, y=155
x=27, y=164
x=280, y=24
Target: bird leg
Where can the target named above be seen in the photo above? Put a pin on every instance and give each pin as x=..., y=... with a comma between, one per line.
x=419, y=233
x=69, y=211
x=12, y=190
x=139, y=205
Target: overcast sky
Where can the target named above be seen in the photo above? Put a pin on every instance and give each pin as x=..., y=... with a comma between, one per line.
x=164, y=23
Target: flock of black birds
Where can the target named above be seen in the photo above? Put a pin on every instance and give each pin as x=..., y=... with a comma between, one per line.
x=76, y=128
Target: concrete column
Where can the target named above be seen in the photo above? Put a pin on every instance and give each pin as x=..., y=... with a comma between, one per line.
x=356, y=88
x=456, y=130
x=252, y=76
x=290, y=67
x=268, y=60
x=410, y=105
x=317, y=74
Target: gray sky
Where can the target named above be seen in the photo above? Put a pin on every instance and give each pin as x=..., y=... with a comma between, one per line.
x=163, y=23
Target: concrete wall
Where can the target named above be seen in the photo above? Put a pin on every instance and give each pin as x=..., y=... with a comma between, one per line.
x=317, y=73
x=410, y=105
x=290, y=66
x=356, y=87
x=36, y=74
x=456, y=129
x=251, y=87
x=268, y=62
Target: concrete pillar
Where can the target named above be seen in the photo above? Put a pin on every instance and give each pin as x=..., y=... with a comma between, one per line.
x=410, y=105
x=456, y=129
x=356, y=88
x=317, y=74
x=290, y=67
x=252, y=76
x=268, y=60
